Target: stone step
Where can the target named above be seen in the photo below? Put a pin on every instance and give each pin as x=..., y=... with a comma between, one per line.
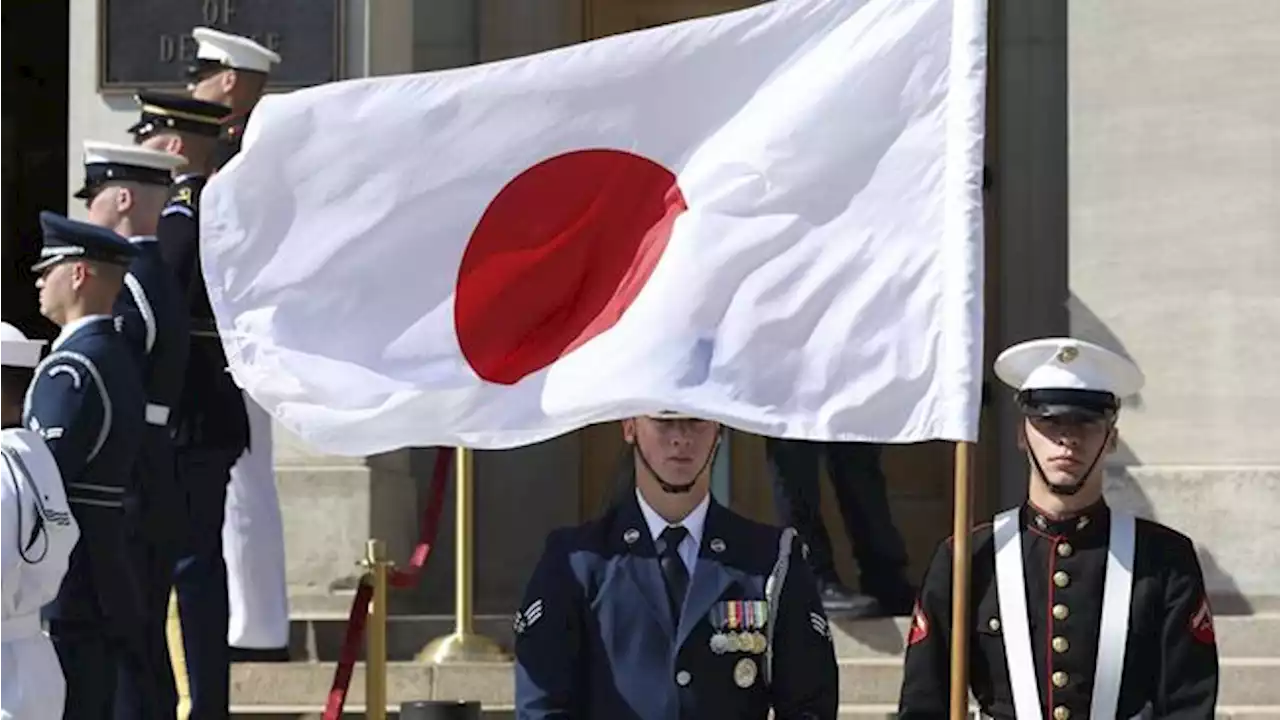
x=318, y=636
x=847, y=712
x=863, y=681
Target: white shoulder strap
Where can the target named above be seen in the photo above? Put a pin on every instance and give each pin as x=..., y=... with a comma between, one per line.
x=1014, y=621
x=1113, y=634
x=773, y=594
x=1117, y=590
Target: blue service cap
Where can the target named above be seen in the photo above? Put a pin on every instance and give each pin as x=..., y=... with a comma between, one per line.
x=67, y=239
x=1058, y=377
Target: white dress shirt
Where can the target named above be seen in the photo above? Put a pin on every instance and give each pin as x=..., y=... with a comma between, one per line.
x=70, y=328
x=693, y=523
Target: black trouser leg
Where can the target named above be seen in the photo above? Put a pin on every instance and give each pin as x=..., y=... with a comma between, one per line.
x=200, y=578
x=90, y=665
x=793, y=466
x=864, y=504
x=146, y=687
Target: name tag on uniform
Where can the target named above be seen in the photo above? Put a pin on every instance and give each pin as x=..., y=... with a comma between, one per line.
x=738, y=625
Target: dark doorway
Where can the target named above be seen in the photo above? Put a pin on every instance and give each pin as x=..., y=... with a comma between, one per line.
x=34, y=166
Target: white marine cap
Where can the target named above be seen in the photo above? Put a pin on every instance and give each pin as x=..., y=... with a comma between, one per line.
x=16, y=350
x=105, y=162
x=1058, y=373
x=233, y=51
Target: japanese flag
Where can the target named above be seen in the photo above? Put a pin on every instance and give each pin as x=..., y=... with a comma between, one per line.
x=770, y=218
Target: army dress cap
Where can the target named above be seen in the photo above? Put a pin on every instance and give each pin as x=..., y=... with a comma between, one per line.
x=16, y=350
x=108, y=162
x=224, y=51
x=1058, y=377
x=67, y=239
x=162, y=112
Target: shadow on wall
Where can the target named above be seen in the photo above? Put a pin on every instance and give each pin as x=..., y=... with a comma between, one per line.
x=1123, y=490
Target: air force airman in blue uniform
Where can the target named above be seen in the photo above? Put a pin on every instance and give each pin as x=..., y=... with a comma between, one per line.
x=672, y=606
x=88, y=403
x=123, y=188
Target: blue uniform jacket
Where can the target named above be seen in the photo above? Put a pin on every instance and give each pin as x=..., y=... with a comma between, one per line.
x=86, y=400
x=594, y=638
x=151, y=316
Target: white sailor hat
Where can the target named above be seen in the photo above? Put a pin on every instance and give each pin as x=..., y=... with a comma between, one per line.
x=1066, y=376
x=232, y=52
x=16, y=350
x=107, y=162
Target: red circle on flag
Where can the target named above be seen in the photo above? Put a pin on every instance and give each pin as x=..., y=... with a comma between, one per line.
x=558, y=256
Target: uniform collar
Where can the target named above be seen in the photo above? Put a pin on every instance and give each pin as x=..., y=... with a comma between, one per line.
x=74, y=326
x=187, y=176
x=138, y=239
x=694, y=522
x=1088, y=520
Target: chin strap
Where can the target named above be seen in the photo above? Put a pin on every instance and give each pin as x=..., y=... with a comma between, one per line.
x=672, y=488
x=1075, y=487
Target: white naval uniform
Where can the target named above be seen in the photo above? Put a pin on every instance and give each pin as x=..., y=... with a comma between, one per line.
x=253, y=544
x=39, y=533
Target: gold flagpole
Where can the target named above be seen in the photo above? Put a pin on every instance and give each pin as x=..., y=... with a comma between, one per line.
x=960, y=562
x=464, y=645
x=375, y=663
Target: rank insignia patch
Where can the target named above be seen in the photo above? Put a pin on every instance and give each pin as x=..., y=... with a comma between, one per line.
x=919, y=626
x=525, y=619
x=1202, y=623
x=820, y=625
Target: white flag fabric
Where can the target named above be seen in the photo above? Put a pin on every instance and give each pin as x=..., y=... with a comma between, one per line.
x=771, y=218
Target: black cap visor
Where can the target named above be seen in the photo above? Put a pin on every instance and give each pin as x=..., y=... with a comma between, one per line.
x=1068, y=404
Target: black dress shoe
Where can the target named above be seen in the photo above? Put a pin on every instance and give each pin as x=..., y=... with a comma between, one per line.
x=840, y=600
x=239, y=654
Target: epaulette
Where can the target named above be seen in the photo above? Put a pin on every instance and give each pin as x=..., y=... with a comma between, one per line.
x=182, y=195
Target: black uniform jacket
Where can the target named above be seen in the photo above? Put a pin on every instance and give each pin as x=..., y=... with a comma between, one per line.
x=595, y=637
x=151, y=316
x=212, y=413
x=1171, y=658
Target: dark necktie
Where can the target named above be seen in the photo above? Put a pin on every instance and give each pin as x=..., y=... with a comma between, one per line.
x=673, y=569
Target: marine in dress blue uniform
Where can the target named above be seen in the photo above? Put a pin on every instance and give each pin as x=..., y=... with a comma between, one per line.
x=88, y=403
x=1079, y=610
x=150, y=316
x=633, y=616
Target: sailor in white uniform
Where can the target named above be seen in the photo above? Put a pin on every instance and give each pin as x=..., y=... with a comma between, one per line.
x=1079, y=611
x=39, y=534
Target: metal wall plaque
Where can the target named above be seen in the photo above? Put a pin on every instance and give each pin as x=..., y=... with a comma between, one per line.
x=148, y=43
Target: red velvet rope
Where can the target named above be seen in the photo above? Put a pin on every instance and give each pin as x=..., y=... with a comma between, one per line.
x=395, y=578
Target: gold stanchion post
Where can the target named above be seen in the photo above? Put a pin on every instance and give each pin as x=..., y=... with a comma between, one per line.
x=464, y=645
x=375, y=663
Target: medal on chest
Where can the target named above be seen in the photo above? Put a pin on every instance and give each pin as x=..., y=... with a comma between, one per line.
x=737, y=627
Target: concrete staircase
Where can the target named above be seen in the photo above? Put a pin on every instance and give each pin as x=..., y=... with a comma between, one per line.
x=869, y=652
